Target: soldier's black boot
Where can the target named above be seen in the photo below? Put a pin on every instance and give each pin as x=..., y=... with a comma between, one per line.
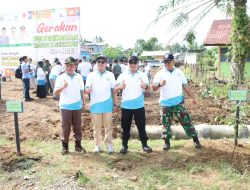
x=166, y=145
x=197, y=143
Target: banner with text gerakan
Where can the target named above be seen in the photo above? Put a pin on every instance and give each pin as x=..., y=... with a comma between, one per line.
x=49, y=34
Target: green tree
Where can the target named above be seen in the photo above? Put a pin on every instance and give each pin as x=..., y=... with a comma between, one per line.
x=190, y=39
x=176, y=48
x=151, y=45
x=128, y=52
x=240, y=40
x=113, y=52
x=185, y=9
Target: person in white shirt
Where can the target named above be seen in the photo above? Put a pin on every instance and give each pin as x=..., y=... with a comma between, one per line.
x=56, y=70
x=124, y=67
x=41, y=81
x=70, y=87
x=133, y=83
x=26, y=74
x=33, y=75
x=100, y=85
x=147, y=69
x=84, y=69
x=171, y=81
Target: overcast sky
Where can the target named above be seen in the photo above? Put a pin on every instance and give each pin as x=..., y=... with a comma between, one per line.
x=116, y=21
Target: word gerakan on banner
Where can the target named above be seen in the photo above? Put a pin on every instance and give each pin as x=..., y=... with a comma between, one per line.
x=49, y=34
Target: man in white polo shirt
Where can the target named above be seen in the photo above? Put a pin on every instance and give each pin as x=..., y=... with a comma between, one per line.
x=71, y=89
x=100, y=86
x=171, y=81
x=56, y=70
x=84, y=69
x=132, y=83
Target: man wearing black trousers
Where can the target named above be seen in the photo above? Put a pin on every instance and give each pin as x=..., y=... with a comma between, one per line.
x=132, y=83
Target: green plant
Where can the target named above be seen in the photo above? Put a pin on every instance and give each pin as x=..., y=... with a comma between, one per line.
x=82, y=179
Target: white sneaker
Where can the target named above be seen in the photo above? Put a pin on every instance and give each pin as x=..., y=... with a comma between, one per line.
x=109, y=149
x=97, y=149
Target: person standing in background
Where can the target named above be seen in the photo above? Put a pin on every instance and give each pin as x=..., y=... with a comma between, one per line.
x=33, y=75
x=117, y=70
x=94, y=65
x=84, y=69
x=47, y=68
x=26, y=78
x=147, y=69
x=56, y=70
x=41, y=81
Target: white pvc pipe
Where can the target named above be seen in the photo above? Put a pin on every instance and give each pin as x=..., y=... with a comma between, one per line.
x=204, y=131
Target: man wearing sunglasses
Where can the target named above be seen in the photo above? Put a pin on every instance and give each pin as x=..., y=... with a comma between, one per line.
x=100, y=86
x=132, y=83
x=171, y=81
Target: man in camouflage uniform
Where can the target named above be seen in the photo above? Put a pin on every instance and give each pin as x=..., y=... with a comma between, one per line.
x=171, y=81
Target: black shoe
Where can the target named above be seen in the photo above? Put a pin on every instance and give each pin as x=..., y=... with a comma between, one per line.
x=147, y=149
x=28, y=99
x=55, y=98
x=65, y=149
x=196, y=141
x=78, y=147
x=124, y=150
x=166, y=146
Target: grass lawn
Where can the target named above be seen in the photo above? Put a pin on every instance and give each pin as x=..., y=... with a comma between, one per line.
x=183, y=167
x=226, y=69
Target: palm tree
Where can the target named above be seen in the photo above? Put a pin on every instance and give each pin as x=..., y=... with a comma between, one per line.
x=191, y=12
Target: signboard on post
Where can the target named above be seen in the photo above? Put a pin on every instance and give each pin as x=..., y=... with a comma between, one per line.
x=238, y=95
x=15, y=107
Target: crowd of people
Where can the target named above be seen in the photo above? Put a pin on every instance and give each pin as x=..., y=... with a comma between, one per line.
x=103, y=82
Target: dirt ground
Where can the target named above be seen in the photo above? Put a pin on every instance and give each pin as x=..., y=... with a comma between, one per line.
x=42, y=167
x=41, y=117
x=213, y=167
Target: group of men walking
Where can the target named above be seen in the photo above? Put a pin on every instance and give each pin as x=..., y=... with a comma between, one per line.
x=103, y=86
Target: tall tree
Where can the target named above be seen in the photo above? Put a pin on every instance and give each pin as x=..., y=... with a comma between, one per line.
x=185, y=10
x=240, y=40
